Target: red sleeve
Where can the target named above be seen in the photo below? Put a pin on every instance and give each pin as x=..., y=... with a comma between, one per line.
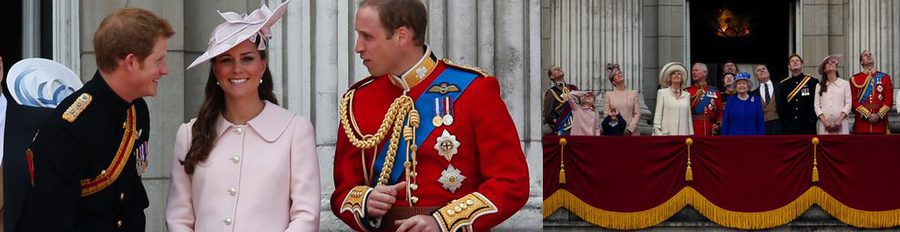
x=500, y=155
x=348, y=174
x=854, y=101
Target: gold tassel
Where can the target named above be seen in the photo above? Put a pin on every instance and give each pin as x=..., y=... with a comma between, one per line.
x=815, y=171
x=689, y=174
x=562, y=162
x=562, y=176
x=815, y=175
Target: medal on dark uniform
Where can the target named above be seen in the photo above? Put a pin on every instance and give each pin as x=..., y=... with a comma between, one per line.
x=437, y=120
x=448, y=117
x=140, y=155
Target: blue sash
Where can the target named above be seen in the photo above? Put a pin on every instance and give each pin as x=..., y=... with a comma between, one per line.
x=425, y=106
x=704, y=100
x=563, y=121
x=870, y=87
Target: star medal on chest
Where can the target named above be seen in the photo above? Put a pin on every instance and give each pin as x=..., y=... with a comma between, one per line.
x=447, y=146
x=880, y=89
x=451, y=179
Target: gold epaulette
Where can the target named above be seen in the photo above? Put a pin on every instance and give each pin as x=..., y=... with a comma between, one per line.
x=785, y=79
x=363, y=82
x=477, y=70
x=75, y=109
x=789, y=77
x=462, y=212
x=355, y=203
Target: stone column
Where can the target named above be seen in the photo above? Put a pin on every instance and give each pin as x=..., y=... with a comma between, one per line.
x=583, y=36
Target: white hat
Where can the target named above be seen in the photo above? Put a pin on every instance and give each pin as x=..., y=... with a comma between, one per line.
x=238, y=28
x=40, y=82
x=668, y=69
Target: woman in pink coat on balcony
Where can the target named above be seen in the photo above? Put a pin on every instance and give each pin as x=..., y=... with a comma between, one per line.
x=244, y=164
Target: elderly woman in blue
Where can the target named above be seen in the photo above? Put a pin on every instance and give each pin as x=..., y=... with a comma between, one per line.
x=743, y=115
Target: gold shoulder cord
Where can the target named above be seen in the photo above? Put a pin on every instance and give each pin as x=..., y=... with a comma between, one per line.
x=400, y=110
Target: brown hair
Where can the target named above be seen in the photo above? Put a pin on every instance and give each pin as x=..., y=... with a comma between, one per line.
x=401, y=13
x=203, y=133
x=128, y=31
x=610, y=73
x=823, y=85
x=798, y=57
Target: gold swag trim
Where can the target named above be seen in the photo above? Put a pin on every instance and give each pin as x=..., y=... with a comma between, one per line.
x=727, y=218
x=610, y=219
x=856, y=217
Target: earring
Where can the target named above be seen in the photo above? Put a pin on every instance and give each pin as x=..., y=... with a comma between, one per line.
x=260, y=81
x=217, y=83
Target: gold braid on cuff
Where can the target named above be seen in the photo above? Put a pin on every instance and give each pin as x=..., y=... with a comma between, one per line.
x=355, y=203
x=462, y=212
x=883, y=111
x=863, y=111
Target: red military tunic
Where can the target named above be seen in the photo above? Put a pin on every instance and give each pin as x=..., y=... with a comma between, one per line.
x=873, y=93
x=706, y=108
x=494, y=183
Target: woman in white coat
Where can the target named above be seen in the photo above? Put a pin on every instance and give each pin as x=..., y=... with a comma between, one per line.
x=244, y=164
x=673, y=107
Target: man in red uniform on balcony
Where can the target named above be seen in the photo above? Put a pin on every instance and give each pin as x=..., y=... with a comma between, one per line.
x=873, y=96
x=423, y=144
x=706, y=103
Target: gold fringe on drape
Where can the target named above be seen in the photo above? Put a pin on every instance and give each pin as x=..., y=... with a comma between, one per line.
x=856, y=217
x=751, y=220
x=611, y=219
x=727, y=218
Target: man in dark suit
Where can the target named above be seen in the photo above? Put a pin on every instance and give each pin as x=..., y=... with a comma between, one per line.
x=770, y=93
x=18, y=124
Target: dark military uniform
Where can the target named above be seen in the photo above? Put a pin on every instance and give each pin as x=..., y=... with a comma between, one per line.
x=557, y=112
x=798, y=114
x=21, y=124
x=83, y=164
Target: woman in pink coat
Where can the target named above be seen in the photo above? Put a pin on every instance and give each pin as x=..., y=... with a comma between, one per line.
x=244, y=164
